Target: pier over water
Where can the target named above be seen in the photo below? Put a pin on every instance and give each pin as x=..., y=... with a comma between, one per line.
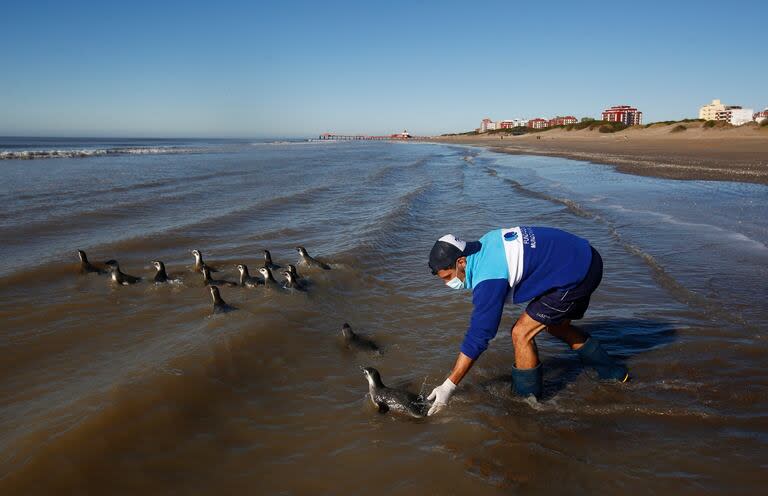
x=404, y=136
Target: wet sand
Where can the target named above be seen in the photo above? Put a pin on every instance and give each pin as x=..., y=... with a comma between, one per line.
x=732, y=154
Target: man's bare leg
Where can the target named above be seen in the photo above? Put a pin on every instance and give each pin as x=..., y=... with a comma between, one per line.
x=523, y=332
x=568, y=333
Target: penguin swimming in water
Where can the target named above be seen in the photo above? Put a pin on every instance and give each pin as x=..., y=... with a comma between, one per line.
x=357, y=342
x=307, y=261
x=268, y=263
x=215, y=282
x=292, y=283
x=269, y=280
x=219, y=305
x=87, y=267
x=119, y=277
x=397, y=400
x=292, y=270
x=199, y=263
x=161, y=275
x=246, y=280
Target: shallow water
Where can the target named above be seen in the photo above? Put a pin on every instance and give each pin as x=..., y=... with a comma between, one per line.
x=139, y=390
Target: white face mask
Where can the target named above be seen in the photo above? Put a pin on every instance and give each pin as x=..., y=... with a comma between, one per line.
x=455, y=283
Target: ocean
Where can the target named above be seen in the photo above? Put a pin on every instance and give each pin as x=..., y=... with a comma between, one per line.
x=139, y=389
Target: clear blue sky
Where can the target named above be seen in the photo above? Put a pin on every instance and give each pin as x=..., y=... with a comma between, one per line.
x=295, y=68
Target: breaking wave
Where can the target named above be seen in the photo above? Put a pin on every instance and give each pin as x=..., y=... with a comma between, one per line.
x=96, y=152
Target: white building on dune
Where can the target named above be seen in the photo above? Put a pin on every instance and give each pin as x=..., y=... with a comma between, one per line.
x=735, y=115
x=487, y=125
x=741, y=116
x=709, y=111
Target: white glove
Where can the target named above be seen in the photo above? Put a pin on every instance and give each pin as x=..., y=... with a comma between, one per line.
x=441, y=394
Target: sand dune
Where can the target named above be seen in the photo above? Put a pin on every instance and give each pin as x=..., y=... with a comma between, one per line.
x=727, y=154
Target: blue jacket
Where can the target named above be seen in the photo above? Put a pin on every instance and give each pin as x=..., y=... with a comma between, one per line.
x=520, y=264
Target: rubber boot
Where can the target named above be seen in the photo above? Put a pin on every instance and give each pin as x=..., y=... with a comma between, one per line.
x=527, y=382
x=593, y=355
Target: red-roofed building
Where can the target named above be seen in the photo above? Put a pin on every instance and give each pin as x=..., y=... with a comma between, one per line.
x=562, y=121
x=538, y=123
x=623, y=113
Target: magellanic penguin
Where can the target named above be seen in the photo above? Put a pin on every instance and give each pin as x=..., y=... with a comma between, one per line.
x=246, y=280
x=269, y=280
x=87, y=267
x=268, y=263
x=357, y=342
x=199, y=263
x=307, y=261
x=215, y=282
x=219, y=305
x=117, y=276
x=292, y=283
x=292, y=270
x=161, y=276
x=396, y=400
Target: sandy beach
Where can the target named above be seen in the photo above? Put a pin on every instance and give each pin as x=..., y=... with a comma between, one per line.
x=723, y=154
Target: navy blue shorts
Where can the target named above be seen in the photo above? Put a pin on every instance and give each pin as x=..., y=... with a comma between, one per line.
x=558, y=305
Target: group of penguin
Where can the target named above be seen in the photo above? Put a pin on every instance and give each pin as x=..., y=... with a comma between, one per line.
x=293, y=281
x=383, y=397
